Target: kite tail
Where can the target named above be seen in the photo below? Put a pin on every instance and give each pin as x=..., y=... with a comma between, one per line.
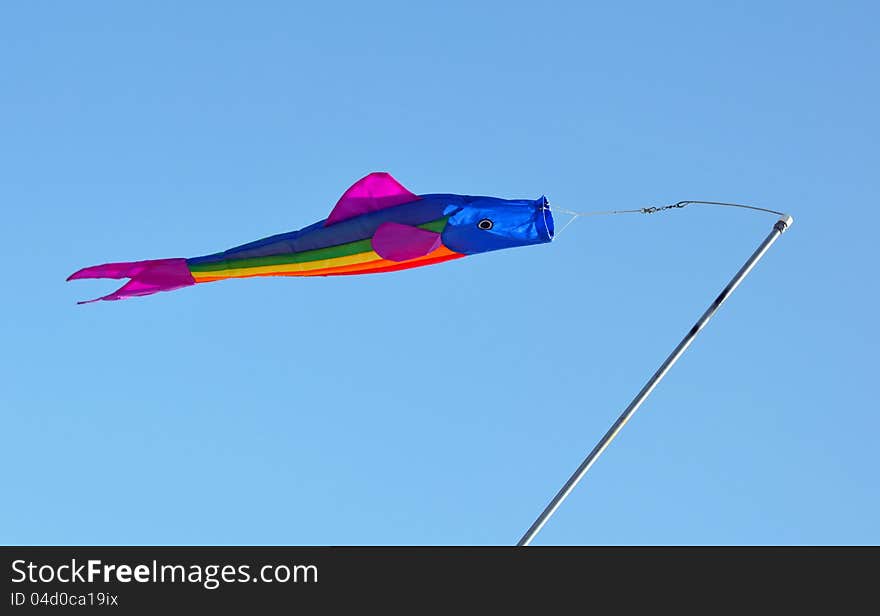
x=147, y=277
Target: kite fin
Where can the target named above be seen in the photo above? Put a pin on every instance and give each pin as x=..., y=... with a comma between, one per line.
x=396, y=242
x=147, y=277
x=374, y=192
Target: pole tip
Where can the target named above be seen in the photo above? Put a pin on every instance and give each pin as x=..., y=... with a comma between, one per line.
x=785, y=221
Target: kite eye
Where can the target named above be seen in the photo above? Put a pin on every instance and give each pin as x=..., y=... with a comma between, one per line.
x=485, y=224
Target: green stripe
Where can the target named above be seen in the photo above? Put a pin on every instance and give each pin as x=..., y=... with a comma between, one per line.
x=331, y=252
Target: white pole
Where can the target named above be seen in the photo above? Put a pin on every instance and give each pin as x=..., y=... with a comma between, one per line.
x=778, y=229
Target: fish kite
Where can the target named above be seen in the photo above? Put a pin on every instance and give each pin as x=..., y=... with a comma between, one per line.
x=376, y=226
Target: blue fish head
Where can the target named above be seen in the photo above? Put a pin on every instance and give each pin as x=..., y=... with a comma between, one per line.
x=481, y=224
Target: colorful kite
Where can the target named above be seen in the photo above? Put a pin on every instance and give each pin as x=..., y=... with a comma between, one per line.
x=377, y=226
x=380, y=226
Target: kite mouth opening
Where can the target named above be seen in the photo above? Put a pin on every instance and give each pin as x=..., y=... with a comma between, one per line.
x=545, y=220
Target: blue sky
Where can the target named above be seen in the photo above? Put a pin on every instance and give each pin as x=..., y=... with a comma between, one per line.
x=442, y=405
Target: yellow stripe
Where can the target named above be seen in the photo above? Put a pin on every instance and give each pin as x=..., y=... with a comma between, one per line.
x=357, y=268
x=290, y=268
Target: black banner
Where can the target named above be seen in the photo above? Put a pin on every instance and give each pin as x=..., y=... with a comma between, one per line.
x=123, y=580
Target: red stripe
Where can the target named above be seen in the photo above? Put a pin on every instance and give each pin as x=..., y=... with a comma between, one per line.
x=398, y=266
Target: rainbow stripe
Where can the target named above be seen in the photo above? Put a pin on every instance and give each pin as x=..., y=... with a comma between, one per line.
x=356, y=257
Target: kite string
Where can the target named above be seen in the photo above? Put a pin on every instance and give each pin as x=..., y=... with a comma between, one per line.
x=575, y=215
x=653, y=210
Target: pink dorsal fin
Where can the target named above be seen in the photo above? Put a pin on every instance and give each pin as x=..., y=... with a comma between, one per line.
x=375, y=192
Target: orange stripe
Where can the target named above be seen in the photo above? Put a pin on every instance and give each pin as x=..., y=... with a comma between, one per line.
x=400, y=266
x=361, y=268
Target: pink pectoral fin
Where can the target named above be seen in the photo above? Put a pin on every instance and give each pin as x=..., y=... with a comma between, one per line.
x=375, y=192
x=396, y=242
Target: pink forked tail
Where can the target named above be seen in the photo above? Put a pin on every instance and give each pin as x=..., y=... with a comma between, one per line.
x=147, y=277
